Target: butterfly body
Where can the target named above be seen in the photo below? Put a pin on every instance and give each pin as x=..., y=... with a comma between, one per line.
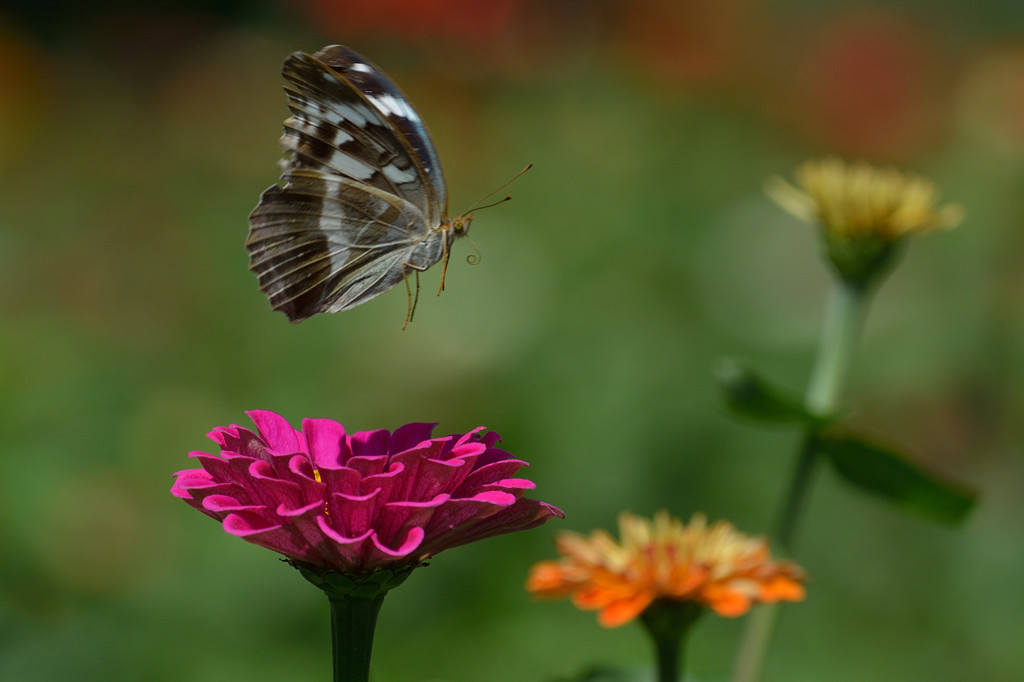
x=362, y=200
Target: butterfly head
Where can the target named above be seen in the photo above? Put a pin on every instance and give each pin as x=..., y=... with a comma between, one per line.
x=459, y=225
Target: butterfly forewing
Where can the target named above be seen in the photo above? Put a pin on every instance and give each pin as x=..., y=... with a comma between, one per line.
x=392, y=103
x=361, y=199
x=336, y=128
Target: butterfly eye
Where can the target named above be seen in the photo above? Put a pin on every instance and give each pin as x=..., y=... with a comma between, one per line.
x=460, y=224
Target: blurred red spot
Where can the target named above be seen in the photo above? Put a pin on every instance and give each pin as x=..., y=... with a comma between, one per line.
x=414, y=19
x=871, y=85
x=686, y=43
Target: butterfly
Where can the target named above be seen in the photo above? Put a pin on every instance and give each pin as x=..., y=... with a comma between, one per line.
x=362, y=201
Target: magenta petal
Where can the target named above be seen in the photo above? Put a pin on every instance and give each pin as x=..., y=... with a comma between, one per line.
x=411, y=435
x=412, y=539
x=326, y=441
x=353, y=515
x=284, y=510
x=276, y=432
x=342, y=538
x=513, y=484
x=275, y=490
x=494, y=455
x=360, y=502
x=523, y=515
x=287, y=540
x=189, y=478
x=342, y=480
x=370, y=443
x=397, y=518
x=497, y=497
x=223, y=434
x=246, y=524
x=469, y=452
x=477, y=435
x=369, y=466
x=351, y=554
x=226, y=503
x=422, y=477
x=494, y=471
x=229, y=466
x=239, y=441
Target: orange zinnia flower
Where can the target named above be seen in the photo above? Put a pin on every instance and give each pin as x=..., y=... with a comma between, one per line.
x=715, y=566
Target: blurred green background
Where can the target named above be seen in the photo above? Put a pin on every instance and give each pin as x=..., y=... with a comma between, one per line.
x=136, y=137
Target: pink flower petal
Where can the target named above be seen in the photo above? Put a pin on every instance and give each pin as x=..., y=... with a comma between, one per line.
x=242, y=524
x=410, y=435
x=326, y=441
x=276, y=432
x=370, y=443
x=406, y=546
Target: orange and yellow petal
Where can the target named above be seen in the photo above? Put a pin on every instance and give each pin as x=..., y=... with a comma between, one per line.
x=622, y=611
x=714, y=566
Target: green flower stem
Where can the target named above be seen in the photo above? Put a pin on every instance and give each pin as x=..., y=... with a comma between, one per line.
x=353, y=621
x=668, y=622
x=844, y=319
x=799, y=488
x=757, y=634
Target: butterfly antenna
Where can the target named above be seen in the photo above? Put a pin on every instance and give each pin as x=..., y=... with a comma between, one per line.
x=493, y=203
x=490, y=194
x=475, y=257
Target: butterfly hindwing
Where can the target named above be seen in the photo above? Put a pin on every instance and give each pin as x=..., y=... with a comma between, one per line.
x=326, y=244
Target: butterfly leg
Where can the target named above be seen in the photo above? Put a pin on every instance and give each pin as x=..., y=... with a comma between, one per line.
x=444, y=266
x=413, y=298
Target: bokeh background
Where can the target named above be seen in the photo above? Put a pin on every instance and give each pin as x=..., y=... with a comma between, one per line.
x=136, y=137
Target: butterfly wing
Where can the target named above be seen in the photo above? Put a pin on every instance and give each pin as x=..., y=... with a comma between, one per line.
x=308, y=266
x=389, y=101
x=360, y=195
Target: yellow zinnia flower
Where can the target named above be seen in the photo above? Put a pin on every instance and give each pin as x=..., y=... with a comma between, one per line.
x=859, y=200
x=714, y=566
x=864, y=211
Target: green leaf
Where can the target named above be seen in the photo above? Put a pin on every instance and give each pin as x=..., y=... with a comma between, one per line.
x=749, y=395
x=891, y=475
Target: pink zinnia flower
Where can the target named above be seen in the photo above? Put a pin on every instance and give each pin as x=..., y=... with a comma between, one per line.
x=356, y=503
